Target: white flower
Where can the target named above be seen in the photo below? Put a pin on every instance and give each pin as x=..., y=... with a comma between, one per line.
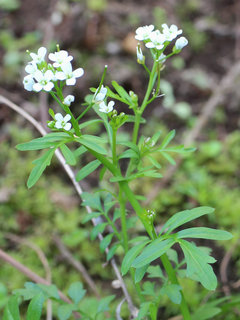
x=60, y=58
x=100, y=96
x=69, y=75
x=162, y=58
x=31, y=68
x=171, y=32
x=62, y=122
x=143, y=33
x=39, y=57
x=140, y=56
x=106, y=108
x=156, y=40
x=68, y=100
x=28, y=83
x=181, y=43
x=43, y=81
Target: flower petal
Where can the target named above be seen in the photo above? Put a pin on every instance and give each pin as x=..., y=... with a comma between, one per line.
x=71, y=82
x=78, y=72
x=67, y=118
x=37, y=87
x=58, y=117
x=58, y=125
x=67, y=126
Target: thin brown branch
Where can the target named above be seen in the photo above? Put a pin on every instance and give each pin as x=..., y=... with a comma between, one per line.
x=67, y=255
x=78, y=189
x=35, y=248
x=29, y=273
x=208, y=109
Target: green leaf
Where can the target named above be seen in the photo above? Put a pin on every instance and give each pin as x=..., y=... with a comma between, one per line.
x=35, y=145
x=76, y=292
x=140, y=272
x=156, y=136
x=122, y=92
x=106, y=242
x=99, y=228
x=46, y=141
x=154, y=162
x=102, y=173
x=91, y=200
x=41, y=164
x=88, y=123
x=50, y=290
x=11, y=311
x=68, y=155
x=89, y=143
x=168, y=158
x=152, y=174
x=204, y=233
x=206, y=312
x=34, y=310
x=113, y=95
x=128, y=154
x=91, y=216
x=183, y=217
x=95, y=139
x=104, y=304
x=155, y=272
x=79, y=151
x=173, y=291
x=198, y=265
x=7, y=314
x=86, y=170
x=153, y=251
x=144, y=310
x=131, y=255
x=65, y=311
x=167, y=139
x=130, y=145
x=149, y=289
x=132, y=118
x=112, y=251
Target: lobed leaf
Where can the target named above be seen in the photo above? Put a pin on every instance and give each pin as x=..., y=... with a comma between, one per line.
x=131, y=255
x=41, y=164
x=173, y=291
x=198, y=265
x=153, y=251
x=183, y=217
x=76, y=292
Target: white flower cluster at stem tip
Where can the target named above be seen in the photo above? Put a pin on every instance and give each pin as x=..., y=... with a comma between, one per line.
x=158, y=41
x=42, y=76
x=99, y=97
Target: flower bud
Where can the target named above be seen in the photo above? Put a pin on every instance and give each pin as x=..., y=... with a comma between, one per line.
x=181, y=43
x=140, y=56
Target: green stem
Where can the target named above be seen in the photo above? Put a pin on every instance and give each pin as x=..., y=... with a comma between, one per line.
x=114, y=151
x=68, y=111
x=151, y=82
x=123, y=185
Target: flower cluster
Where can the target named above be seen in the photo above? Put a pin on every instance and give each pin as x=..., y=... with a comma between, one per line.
x=99, y=97
x=44, y=76
x=158, y=41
